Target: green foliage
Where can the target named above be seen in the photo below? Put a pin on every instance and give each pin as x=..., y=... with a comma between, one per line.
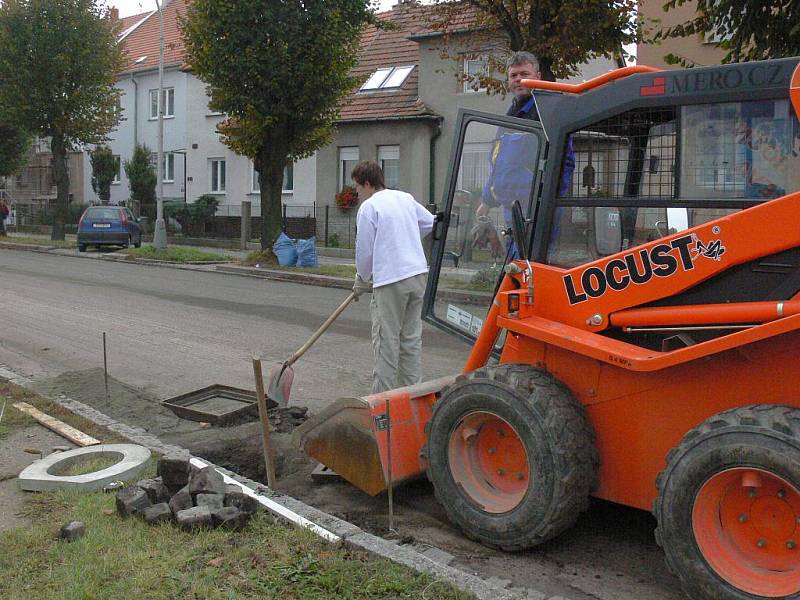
x=197, y=213
x=750, y=29
x=141, y=177
x=333, y=241
x=280, y=71
x=562, y=34
x=58, y=63
x=177, y=254
x=14, y=144
x=104, y=170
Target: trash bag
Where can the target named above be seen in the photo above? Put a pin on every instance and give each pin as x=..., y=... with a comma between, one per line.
x=307, y=253
x=286, y=251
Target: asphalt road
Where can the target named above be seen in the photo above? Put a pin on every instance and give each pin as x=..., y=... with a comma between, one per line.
x=172, y=331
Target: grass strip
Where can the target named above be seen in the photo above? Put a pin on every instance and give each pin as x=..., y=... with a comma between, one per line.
x=126, y=558
x=37, y=241
x=177, y=254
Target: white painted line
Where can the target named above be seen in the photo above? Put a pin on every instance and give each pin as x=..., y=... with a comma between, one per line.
x=273, y=506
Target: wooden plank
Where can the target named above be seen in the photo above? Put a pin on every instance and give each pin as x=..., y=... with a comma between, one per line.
x=73, y=435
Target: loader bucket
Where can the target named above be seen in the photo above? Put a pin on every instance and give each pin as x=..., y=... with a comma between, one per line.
x=350, y=435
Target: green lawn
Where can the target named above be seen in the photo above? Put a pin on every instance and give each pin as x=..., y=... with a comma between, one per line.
x=178, y=254
x=37, y=241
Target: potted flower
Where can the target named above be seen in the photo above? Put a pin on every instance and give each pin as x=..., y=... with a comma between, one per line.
x=347, y=198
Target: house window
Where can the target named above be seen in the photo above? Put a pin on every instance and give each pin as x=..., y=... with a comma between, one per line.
x=169, y=103
x=288, y=180
x=348, y=159
x=387, y=78
x=217, y=175
x=117, y=169
x=474, y=68
x=168, y=166
x=475, y=163
x=389, y=159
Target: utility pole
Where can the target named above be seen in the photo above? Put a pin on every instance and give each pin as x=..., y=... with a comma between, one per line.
x=160, y=233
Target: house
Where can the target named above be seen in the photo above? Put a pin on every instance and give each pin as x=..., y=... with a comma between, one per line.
x=403, y=115
x=700, y=49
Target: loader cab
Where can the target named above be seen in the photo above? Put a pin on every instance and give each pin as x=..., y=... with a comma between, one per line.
x=496, y=161
x=655, y=154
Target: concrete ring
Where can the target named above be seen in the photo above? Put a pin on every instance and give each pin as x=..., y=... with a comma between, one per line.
x=37, y=476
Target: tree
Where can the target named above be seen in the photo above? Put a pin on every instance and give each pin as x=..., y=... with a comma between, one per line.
x=141, y=177
x=58, y=62
x=562, y=34
x=748, y=29
x=280, y=71
x=104, y=171
x=14, y=145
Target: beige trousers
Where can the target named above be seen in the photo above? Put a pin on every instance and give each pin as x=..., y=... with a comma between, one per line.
x=396, y=311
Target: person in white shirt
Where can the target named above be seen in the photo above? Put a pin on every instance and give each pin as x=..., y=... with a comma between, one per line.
x=391, y=263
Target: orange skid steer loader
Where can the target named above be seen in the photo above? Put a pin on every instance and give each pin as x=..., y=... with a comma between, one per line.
x=643, y=342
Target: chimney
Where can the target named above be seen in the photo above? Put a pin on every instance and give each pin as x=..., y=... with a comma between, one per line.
x=114, y=13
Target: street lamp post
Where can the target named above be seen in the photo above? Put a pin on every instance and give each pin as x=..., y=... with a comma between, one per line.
x=160, y=233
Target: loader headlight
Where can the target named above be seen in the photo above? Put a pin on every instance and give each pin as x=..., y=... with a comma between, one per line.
x=513, y=303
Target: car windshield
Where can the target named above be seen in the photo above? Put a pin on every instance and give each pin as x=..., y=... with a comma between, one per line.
x=103, y=213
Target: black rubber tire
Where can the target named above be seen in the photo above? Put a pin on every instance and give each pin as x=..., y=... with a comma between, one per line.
x=138, y=243
x=558, y=439
x=81, y=247
x=760, y=436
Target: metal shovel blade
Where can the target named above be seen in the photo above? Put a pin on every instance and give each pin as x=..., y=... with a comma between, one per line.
x=280, y=384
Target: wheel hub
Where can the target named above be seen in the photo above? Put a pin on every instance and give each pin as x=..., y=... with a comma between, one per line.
x=747, y=525
x=489, y=462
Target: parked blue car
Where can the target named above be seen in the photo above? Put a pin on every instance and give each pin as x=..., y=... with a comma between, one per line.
x=108, y=226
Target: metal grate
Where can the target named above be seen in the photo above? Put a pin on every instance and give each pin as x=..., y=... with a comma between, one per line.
x=631, y=154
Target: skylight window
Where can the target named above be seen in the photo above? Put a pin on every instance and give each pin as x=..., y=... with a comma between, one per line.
x=387, y=78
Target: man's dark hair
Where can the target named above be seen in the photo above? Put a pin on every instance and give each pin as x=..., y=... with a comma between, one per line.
x=368, y=171
x=522, y=58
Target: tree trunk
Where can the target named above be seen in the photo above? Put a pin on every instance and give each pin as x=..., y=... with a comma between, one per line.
x=271, y=173
x=61, y=179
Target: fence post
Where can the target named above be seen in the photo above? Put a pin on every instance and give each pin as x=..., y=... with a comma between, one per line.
x=327, y=211
x=283, y=220
x=246, y=224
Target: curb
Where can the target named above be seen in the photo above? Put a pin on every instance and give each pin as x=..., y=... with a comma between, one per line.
x=350, y=535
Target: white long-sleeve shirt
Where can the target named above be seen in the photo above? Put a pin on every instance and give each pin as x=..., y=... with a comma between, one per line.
x=391, y=225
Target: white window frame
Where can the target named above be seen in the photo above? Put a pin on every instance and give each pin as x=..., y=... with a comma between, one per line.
x=381, y=78
x=168, y=169
x=169, y=95
x=118, y=172
x=217, y=164
x=389, y=153
x=346, y=154
x=467, y=85
x=255, y=188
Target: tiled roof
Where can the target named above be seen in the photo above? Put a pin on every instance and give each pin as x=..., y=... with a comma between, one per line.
x=126, y=23
x=143, y=41
x=389, y=49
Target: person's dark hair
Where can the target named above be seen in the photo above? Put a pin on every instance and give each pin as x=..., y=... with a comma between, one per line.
x=368, y=171
x=522, y=58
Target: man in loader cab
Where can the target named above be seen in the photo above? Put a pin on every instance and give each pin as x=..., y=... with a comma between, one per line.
x=510, y=175
x=391, y=263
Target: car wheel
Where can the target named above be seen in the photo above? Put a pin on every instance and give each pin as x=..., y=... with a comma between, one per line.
x=138, y=243
x=81, y=247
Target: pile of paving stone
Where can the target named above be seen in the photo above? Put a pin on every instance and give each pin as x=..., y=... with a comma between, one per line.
x=193, y=498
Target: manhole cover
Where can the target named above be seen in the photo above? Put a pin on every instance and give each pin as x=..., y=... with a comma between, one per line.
x=217, y=404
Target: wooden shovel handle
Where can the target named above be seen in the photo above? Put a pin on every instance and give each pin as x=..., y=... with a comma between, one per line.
x=319, y=331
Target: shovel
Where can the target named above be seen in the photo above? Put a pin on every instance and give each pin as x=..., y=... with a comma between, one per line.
x=282, y=375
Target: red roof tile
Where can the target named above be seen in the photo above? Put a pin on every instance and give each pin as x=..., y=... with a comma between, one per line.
x=143, y=41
